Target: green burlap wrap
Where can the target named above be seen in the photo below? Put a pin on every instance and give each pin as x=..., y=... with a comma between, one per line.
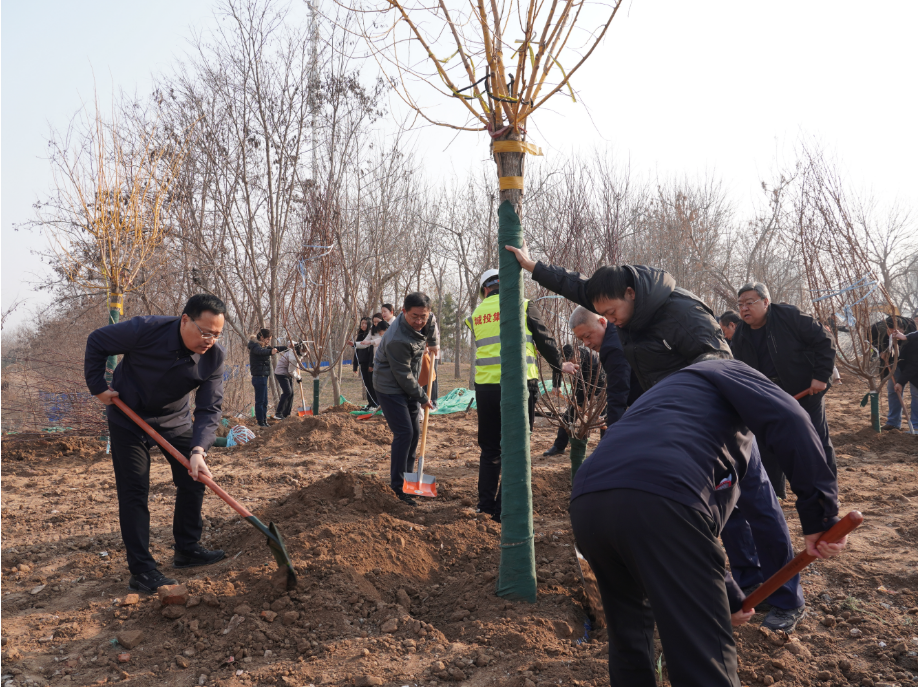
x=315, y=396
x=578, y=453
x=517, y=577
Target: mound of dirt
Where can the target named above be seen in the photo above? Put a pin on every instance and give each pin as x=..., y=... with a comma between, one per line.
x=51, y=447
x=327, y=432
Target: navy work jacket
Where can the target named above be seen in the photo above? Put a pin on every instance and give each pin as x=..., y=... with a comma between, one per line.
x=156, y=376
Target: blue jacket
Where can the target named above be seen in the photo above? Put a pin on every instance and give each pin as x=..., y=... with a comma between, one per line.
x=689, y=439
x=156, y=376
x=622, y=386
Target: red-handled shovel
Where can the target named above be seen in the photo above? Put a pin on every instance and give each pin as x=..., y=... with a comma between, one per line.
x=275, y=541
x=847, y=524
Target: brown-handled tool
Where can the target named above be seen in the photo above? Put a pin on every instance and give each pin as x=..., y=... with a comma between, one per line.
x=417, y=483
x=805, y=392
x=275, y=541
x=847, y=524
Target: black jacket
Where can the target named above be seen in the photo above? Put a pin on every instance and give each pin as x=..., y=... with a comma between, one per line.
x=260, y=357
x=156, y=377
x=800, y=347
x=362, y=356
x=670, y=327
x=622, y=387
x=907, y=368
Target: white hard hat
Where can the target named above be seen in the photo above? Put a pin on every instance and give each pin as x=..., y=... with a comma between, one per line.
x=490, y=275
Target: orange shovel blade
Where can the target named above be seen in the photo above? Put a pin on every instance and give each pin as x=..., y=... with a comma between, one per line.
x=427, y=486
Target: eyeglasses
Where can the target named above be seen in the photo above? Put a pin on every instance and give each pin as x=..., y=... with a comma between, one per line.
x=748, y=304
x=207, y=336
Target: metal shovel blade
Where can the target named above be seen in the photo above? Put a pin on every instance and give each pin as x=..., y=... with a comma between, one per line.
x=278, y=549
x=591, y=589
x=420, y=485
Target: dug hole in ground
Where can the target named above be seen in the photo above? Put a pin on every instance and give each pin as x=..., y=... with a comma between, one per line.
x=393, y=595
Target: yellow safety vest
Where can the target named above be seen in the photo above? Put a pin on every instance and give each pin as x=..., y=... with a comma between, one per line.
x=485, y=325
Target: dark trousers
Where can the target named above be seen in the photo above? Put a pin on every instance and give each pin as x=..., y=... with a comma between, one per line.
x=562, y=439
x=648, y=551
x=261, y=399
x=815, y=407
x=435, y=391
x=367, y=376
x=756, y=537
x=131, y=460
x=403, y=417
x=285, y=404
x=487, y=398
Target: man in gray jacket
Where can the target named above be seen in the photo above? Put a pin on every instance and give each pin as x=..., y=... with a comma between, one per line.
x=396, y=368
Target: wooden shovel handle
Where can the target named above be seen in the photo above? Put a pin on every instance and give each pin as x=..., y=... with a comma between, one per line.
x=805, y=392
x=847, y=524
x=157, y=437
x=423, y=448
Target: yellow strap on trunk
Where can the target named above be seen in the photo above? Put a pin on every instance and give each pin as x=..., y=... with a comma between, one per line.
x=511, y=182
x=516, y=147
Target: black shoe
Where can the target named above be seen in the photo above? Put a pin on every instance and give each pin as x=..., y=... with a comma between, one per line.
x=408, y=499
x=150, y=581
x=197, y=556
x=784, y=618
x=553, y=451
x=265, y=424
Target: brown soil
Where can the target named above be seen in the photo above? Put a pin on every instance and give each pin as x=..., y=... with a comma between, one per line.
x=365, y=560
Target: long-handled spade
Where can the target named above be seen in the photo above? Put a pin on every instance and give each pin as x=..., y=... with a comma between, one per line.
x=417, y=483
x=275, y=541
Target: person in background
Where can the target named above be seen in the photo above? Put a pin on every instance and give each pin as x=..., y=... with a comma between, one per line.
x=165, y=359
x=793, y=350
x=590, y=373
x=387, y=311
x=907, y=373
x=363, y=360
x=396, y=369
x=880, y=336
x=728, y=322
x=260, y=352
x=286, y=372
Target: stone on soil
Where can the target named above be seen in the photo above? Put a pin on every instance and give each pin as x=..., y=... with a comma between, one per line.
x=130, y=638
x=173, y=595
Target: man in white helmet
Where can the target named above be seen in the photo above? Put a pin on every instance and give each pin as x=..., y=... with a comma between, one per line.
x=485, y=326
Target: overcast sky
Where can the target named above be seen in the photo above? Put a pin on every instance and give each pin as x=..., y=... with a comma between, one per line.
x=678, y=88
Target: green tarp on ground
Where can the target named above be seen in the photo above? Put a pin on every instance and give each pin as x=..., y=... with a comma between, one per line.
x=457, y=401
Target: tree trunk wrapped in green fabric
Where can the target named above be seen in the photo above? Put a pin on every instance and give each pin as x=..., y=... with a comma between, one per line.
x=517, y=577
x=578, y=453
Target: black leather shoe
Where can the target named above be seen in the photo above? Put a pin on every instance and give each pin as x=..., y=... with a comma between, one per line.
x=553, y=451
x=198, y=556
x=149, y=581
x=408, y=499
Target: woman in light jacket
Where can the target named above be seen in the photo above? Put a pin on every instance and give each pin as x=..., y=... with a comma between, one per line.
x=285, y=372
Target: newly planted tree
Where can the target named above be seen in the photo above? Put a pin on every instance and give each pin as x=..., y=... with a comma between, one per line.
x=496, y=78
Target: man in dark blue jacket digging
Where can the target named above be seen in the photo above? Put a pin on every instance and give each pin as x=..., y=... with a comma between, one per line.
x=165, y=359
x=647, y=508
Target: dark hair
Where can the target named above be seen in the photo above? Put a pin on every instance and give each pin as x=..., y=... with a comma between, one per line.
x=377, y=315
x=364, y=333
x=264, y=333
x=299, y=348
x=417, y=299
x=730, y=317
x=382, y=326
x=568, y=351
x=388, y=306
x=609, y=282
x=201, y=302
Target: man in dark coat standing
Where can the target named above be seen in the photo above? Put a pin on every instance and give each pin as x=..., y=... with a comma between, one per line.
x=165, y=359
x=795, y=352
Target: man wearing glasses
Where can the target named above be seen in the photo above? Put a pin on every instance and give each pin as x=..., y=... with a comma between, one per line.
x=164, y=360
x=795, y=352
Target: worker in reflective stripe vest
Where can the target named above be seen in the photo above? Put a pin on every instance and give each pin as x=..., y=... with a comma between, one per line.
x=485, y=326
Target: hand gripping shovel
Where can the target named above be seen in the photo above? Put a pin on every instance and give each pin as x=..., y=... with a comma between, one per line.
x=417, y=483
x=275, y=541
x=847, y=524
